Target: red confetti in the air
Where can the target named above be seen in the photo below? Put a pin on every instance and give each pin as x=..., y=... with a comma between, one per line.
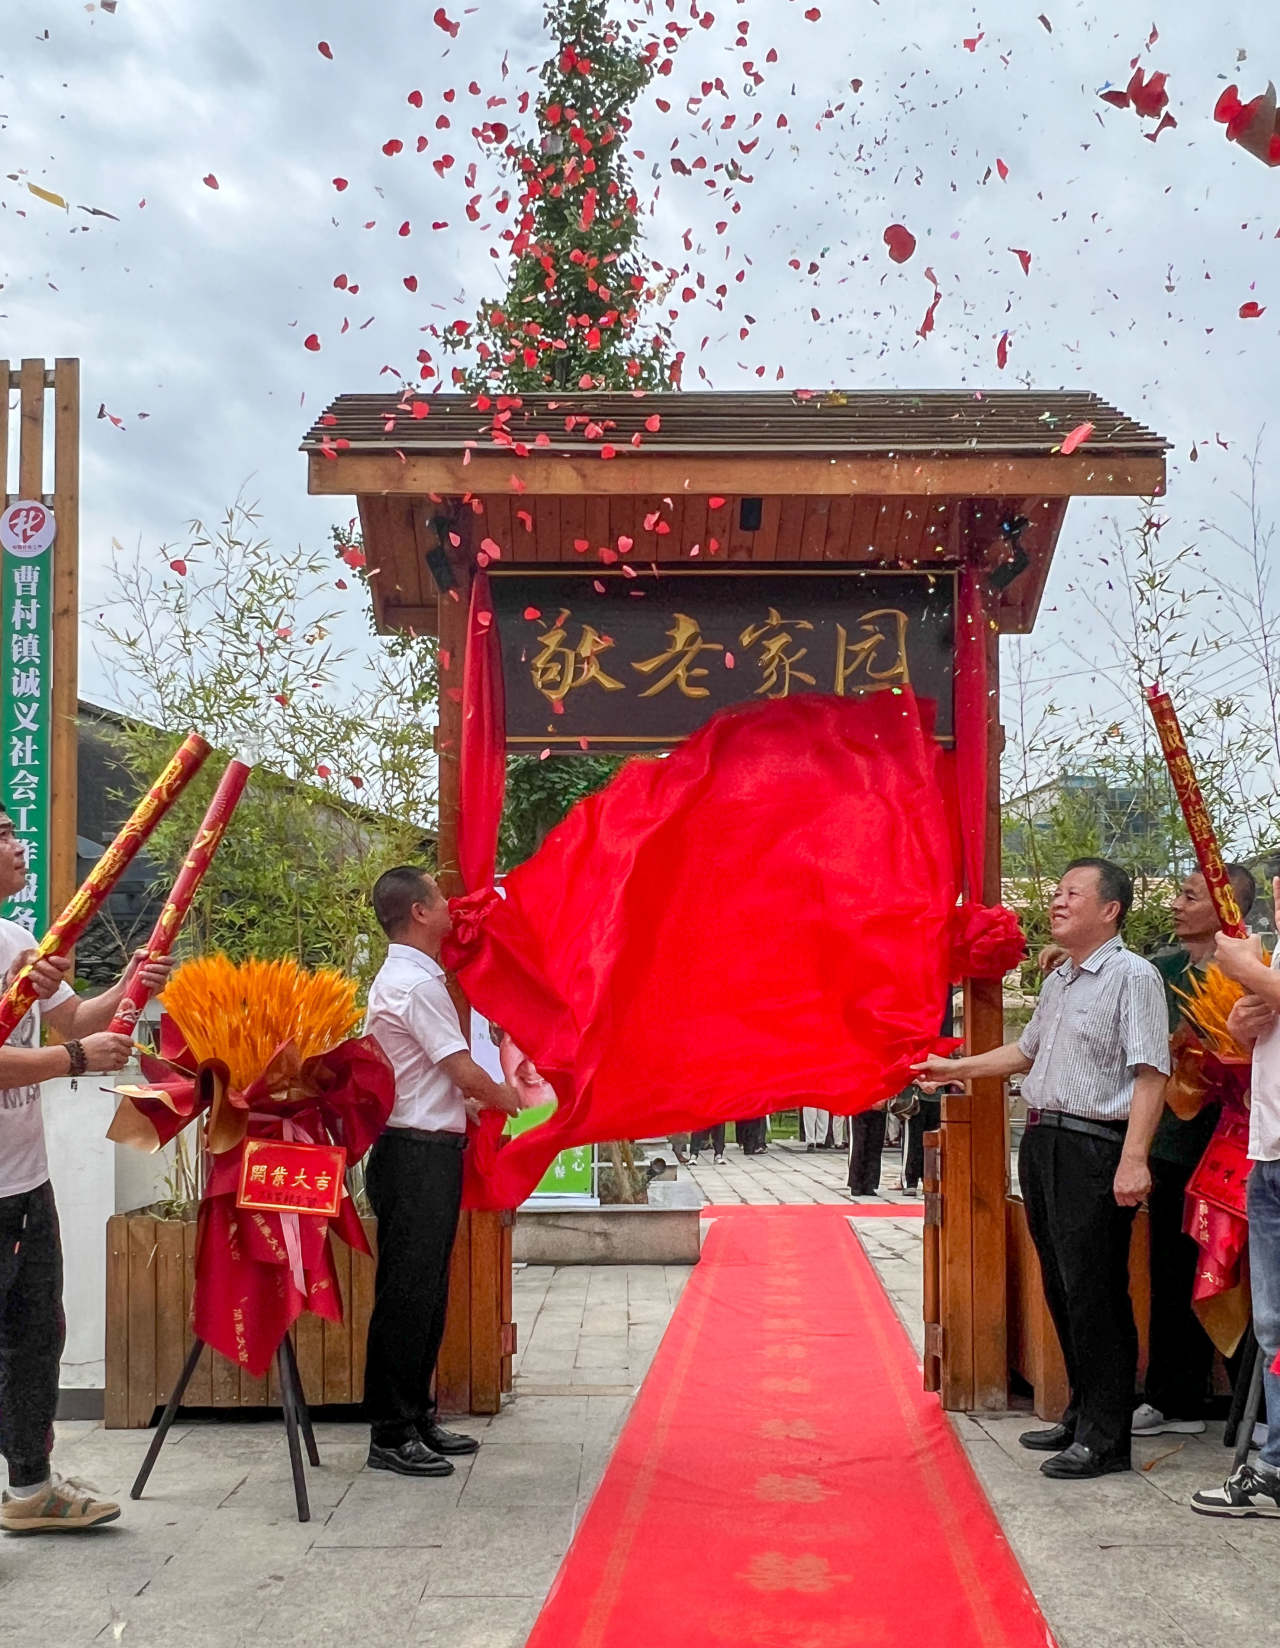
x=532, y=614
x=340, y=183
x=415, y=100
x=715, y=503
x=1024, y=258
x=900, y=241
x=210, y=182
x=1252, y=311
x=1077, y=437
x=180, y=567
x=411, y=283
x=354, y=556
x=489, y=548
x=813, y=14
x=1001, y=168
x=404, y=229
x=1002, y=351
x=441, y=21
x=322, y=771
x=973, y=44
x=311, y=342
x=653, y=423
x=325, y=50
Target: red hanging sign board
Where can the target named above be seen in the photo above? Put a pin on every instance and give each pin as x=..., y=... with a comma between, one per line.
x=1222, y=1176
x=291, y=1178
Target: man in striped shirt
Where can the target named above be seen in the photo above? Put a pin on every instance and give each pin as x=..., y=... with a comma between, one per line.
x=1096, y=1058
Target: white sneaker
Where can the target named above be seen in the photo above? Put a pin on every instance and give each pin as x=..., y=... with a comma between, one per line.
x=66, y=1506
x=718, y=1161
x=1246, y=1492
x=1149, y=1421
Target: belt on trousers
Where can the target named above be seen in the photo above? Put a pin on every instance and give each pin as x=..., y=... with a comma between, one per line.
x=426, y=1135
x=1113, y=1132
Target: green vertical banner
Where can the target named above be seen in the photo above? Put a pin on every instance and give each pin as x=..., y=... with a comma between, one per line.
x=572, y=1173
x=27, y=531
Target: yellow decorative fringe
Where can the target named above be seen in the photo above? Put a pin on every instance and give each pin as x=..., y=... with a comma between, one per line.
x=1208, y=1004
x=240, y=1012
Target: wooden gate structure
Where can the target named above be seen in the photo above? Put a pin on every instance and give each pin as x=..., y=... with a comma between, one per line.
x=741, y=490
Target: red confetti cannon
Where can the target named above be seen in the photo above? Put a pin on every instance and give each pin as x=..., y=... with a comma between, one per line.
x=62, y=936
x=1199, y=827
x=207, y=840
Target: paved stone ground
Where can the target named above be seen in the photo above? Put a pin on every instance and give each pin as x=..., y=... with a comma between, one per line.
x=213, y=1557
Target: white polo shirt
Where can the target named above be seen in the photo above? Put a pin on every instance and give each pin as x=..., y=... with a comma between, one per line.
x=1264, y=1091
x=23, y=1164
x=413, y=1020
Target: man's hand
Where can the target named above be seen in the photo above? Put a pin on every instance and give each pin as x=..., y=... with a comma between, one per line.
x=105, y=1051
x=506, y=1099
x=1249, y=1019
x=46, y=975
x=1239, y=958
x=935, y=1072
x=1051, y=957
x=1132, y=1182
x=152, y=970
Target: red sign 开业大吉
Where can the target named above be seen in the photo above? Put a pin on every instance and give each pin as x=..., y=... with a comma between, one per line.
x=278, y=1177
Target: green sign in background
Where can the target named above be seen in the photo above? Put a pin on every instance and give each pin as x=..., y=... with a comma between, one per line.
x=26, y=601
x=571, y=1172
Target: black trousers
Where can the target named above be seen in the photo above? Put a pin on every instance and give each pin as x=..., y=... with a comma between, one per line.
x=1082, y=1238
x=751, y=1134
x=33, y=1331
x=866, y=1147
x=1180, y=1358
x=926, y=1120
x=698, y=1140
x=415, y=1188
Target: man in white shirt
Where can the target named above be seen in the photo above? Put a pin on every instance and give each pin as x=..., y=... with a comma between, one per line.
x=414, y=1175
x=32, y=1327
x=1254, y=1489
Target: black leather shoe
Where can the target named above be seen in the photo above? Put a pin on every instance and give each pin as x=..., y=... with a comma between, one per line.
x=1053, y=1440
x=443, y=1441
x=411, y=1458
x=1078, y=1463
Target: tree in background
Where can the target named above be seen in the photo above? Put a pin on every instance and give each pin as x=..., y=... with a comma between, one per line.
x=572, y=314
x=235, y=639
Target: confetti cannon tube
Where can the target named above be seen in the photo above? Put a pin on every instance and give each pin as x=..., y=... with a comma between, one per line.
x=1199, y=827
x=207, y=840
x=66, y=930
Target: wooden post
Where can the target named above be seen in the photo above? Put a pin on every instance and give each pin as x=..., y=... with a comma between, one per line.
x=63, y=731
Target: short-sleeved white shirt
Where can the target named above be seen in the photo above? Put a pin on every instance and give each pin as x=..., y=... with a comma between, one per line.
x=1264, y=1094
x=23, y=1163
x=414, y=1021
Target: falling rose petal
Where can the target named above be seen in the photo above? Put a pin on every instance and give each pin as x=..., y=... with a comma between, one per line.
x=392, y=146
x=415, y=99
x=1001, y=168
x=210, y=181
x=900, y=241
x=1252, y=311
x=532, y=614
x=411, y=283
x=180, y=567
x=404, y=229
x=494, y=551
x=354, y=556
x=715, y=503
x=972, y=44
x=322, y=771
x=1002, y=351
x=729, y=661
x=625, y=544
x=312, y=342
x=1077, y=437
x=653, y=423
x=340, y=183
x=441, y=21
x=1024, y=258
x=325, y=50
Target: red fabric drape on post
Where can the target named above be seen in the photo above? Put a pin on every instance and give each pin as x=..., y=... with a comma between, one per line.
x=759, y=920
x=483, y=753
x=987, y=940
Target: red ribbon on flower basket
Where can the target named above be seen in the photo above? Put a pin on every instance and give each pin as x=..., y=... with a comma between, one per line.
x=262, y=1051
x=61, y=938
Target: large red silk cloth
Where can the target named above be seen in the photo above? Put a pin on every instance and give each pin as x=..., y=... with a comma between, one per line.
x=760, y=920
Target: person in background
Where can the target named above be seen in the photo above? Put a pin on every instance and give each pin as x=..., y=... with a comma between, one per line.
x=1180, y=1354
x=698, y=1143
x=866, y=1150
x=413, y=1175
x=32, y=1327
x=814, y=1124
x=751, y=1135
x=1254, y=1489
x=1096, y=1054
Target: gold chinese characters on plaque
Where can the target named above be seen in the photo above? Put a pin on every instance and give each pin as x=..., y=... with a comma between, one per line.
x=640, y=662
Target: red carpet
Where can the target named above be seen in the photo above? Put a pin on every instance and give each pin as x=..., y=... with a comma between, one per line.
x=783, y=1482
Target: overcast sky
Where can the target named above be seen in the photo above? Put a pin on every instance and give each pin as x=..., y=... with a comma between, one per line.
x=193, y=308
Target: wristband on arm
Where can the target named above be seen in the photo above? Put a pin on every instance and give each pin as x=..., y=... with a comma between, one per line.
x=79, y=1060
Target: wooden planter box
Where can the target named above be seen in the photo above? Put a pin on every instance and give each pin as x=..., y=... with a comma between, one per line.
x=149, y=1284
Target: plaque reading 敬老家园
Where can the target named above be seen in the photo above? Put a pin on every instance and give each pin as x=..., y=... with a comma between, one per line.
x=640, y=661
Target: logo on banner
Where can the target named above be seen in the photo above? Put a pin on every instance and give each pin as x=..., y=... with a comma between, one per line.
x=27, y=529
